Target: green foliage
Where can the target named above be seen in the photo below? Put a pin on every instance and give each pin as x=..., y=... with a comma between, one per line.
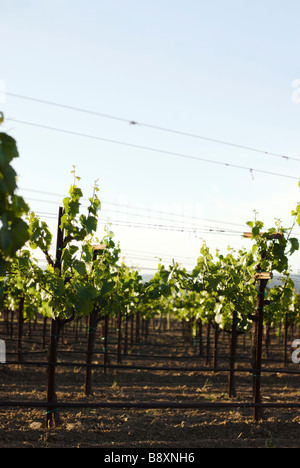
x=22, y=283
x=39, y=235
x=282, y=302
x=66, y=287
x=13, y=229
x=91, y=278
x=273, y=246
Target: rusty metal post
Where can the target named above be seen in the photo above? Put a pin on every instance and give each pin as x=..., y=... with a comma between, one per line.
x=20, y=328
x=263, y=277
x=231, y=390
x=52, y=415
x=93, y=321
x=258, y=351
x=105, y=344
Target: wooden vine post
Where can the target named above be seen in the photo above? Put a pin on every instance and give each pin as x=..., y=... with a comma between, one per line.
x=105, y=344
x=119, y=337
x=52, y=414
x=90, y=351
x=93, y=321
x=263, y=277
x=231, y=385
x=20, y=328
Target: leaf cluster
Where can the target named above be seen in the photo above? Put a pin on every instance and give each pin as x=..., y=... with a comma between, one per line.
x=13, y=229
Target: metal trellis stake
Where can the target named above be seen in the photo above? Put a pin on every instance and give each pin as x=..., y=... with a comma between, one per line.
x=52, y=414
x=263, y=278
x=93, y=321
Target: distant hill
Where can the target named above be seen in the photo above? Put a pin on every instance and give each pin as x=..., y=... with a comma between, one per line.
x=275, y=281
x=146, y=276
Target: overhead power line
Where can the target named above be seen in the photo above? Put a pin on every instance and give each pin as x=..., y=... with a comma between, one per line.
x=159, y=226
x=164, y=227
x=148, y=148
x=188, y=225
x=158, y=254
x=192, y=226
x=150, y=211
x=151, y=126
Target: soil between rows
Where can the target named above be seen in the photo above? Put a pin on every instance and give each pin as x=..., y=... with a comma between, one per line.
x=146, y=428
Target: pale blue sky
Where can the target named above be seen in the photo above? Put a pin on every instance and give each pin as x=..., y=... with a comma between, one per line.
x=218, y=69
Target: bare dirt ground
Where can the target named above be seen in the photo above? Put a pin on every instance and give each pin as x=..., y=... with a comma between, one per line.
x=145, y=428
